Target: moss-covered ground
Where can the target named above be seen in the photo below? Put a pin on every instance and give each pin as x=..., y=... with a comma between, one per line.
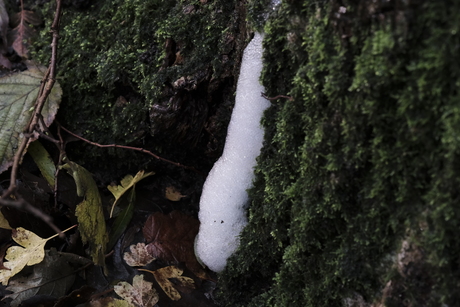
x=356, y=196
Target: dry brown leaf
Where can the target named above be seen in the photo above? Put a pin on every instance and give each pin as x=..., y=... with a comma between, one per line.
x=138, y=255
x=23, y=32
x=172, y=237
x=162, y=277
x=140, y=294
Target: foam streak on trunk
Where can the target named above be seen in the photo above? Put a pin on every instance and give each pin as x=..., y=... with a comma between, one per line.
x=224, y=198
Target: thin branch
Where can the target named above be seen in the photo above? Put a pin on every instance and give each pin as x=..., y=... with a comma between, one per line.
x=276, y=97
x=56, y=174
x=131, y=148
x=50, y=77
x=30, y=132
x=14, y=171
x=21, y=203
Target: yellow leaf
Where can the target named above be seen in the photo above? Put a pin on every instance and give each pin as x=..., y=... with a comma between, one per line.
x=162, y=277
x=31, y=252
x=3, y=222
x=90, y=216
x=173, y=194
x=126, y=183
x=140, y=294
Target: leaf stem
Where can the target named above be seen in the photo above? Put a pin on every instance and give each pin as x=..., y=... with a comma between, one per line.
x=58, y=234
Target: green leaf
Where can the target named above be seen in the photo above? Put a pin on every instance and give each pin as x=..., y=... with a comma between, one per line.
x=126, y=183
x=122, y=220
x=89, y=212
x=18, y=92
x=43, y=160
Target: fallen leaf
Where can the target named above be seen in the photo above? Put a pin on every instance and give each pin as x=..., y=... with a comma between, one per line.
x=3, y=222
x=18, y=92
x=126, y=183
x=162, y=277
x=138, y=255
x=109, y=302
x=122, y=220
x=23, y=31
x=140, y=294
x=172, y=237
x=3, y=249
x=54, y=276
x=31, y=252
x=43, y=160
x=90, y=216
x=173, y=194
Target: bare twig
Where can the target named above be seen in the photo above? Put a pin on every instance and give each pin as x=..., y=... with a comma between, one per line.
x=21, y=203
x=30, y=132
x=50, y=77
x=277, y=97
x=131, y=148
x=56, y=174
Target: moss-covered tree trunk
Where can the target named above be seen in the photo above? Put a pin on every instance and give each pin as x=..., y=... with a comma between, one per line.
x=356, y=200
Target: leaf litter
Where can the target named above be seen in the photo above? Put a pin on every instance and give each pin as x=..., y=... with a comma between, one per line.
x=138, y=255
x=172, y=238
x=54, y=276
x=163, y=275
x=140, y=294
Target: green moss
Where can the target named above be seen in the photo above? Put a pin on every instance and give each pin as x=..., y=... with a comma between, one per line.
x=113, y=67
x=367, y=150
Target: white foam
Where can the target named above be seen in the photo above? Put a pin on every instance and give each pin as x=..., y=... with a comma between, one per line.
x=222, y=204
